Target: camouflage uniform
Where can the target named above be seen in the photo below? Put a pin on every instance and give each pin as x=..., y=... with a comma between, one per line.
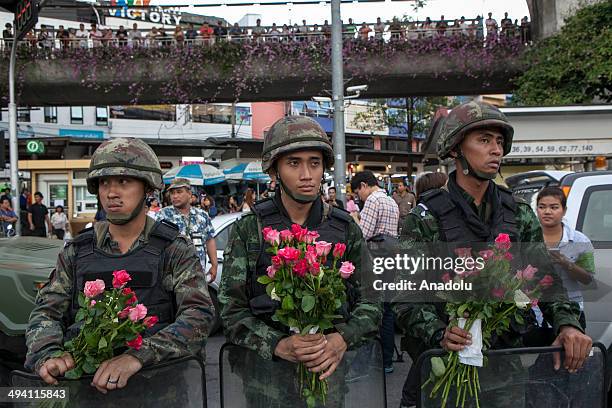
x=182, y=274
x=196, y=226
x=242, y=326
x=423, y=324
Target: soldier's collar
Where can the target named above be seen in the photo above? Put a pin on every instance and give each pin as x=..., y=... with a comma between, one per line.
x=315, y=215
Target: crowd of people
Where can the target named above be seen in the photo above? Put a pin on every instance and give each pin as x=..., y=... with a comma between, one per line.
x=34, y=216
x=391, y=30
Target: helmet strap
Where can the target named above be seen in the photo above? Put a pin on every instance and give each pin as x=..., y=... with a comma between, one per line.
x=470, y=171
x=298, y=198
x=120, y=219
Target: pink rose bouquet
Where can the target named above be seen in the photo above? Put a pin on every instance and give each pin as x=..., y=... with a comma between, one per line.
x=501, y=296
x=310, y=293
x=111, y=320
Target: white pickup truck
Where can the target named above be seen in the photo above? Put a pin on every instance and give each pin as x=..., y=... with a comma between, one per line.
x=589, y=210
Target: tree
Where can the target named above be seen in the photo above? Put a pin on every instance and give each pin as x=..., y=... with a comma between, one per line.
x=411, y=116
x=575, y=65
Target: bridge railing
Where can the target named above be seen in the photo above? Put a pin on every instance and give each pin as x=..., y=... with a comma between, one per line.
x=365, y=33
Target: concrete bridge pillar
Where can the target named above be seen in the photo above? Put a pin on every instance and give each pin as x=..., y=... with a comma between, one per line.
x=548, y=16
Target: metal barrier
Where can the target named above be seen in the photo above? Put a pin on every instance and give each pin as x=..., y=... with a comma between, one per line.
x=176, y=383
x=525, y=377
x=248, y=380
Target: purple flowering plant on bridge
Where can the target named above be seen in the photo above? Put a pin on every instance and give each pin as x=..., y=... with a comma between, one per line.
x=184, y=72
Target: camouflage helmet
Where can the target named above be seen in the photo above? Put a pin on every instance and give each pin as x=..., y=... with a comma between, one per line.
x=124, y=157
x=470, y=116
x=294, y=133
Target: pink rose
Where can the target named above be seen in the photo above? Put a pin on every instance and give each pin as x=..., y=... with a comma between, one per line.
x=92, y=303
x=311, y=255
x=271, y=271
x=132, y=296
x=446, y=277
x=137, y=313
x=315, y=269
x=136, y=343
x=323, y=248
x=339, y=250
x=502, y=242
x=271, y=236
x=546, y=281
x=298, y=232
x=527, y=274
x=289, y=254
x=150, y=321
x=286, y=236
x=120, y=278
x=277, y=261
x=300, y=268
x=94, y=288
x=534, y=302
x=463, y=252
x=508, y=256
x=311, y=237
x=498, y=293
x=124, y=313
x=346, y=269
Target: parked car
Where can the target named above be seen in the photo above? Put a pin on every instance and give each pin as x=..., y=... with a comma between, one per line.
x=223, y=227
x=25, y=265
x=527, y=185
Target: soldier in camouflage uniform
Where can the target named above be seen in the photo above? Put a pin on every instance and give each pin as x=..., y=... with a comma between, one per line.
x=296, y=152
x=167, y=276
x=193, y=222
x=471, y=209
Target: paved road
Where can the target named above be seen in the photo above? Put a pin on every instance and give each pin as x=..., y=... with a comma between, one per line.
x=395, y=380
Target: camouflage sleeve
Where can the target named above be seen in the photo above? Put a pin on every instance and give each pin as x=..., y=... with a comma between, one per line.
x=45, y=332
x=417, y=319
x=366, y=315
x=556, y=307
x=241, y=326
x=194, y=309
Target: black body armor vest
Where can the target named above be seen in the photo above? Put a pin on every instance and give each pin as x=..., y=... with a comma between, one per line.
x=333, y=229
x=144, y=264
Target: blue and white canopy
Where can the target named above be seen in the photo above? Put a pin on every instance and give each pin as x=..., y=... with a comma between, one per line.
x=247, y=171
x=197, y=174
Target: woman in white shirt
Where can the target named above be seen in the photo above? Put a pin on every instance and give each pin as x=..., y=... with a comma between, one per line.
x=59, y=221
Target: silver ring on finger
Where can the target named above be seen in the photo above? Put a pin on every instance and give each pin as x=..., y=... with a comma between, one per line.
x=112, y=381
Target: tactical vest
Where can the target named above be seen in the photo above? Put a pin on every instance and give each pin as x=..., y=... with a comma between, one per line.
x=144, y=264
x=333, y=228
x=454, y=228
x=451, y=220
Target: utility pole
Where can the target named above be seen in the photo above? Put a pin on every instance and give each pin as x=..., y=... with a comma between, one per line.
x=233, y=119
x=338, y=100
x=13, y=145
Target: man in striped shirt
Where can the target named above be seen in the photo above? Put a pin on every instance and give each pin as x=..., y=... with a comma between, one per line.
x=380, y=216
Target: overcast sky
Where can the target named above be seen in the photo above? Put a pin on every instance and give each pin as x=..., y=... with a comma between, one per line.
x=451, y=9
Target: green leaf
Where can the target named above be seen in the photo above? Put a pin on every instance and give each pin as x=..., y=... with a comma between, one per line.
x=91, y=339
x=311, y=401
x=102, y=343
x=89, y=368
x=82, y=300
x=269, y=289
x=80, y=315
x=308, y=303
x=264, y=279
x=288, y=303
x=74, y=374
x=325, y=324
x=287, y=285
x=437, y=366
x=337, y=304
